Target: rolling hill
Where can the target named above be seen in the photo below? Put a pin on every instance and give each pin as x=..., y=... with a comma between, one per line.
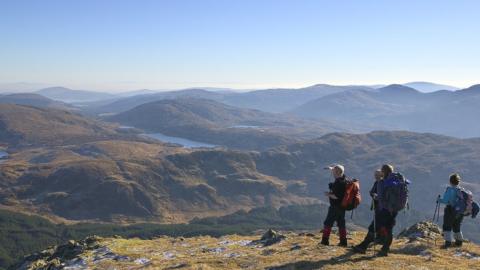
x=269, y=100
x=428, y=87
x=216, y=123
x=129, y=103
x=29, y=126
x=33, y=100
x=134, y=181
x=426, y=159
x=283, y=100
x=397, y=107
x=73, y=96
x=159, y=182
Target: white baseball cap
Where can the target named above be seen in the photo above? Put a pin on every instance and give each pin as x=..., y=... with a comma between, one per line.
x=338, y=167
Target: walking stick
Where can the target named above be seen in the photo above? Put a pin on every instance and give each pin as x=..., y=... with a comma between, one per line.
x=433, y=221
x=435, y=214
x=374, y=228
x=438, y=213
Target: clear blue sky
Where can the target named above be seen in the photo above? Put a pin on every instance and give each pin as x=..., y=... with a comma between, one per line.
x=101, y=44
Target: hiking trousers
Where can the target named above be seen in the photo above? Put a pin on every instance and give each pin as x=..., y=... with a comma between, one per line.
x=335, y=214
x=386, y=222
x=451, y=221
x=372, y=232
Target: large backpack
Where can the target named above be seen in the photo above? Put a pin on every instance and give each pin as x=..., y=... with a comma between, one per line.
x=352, y=197
x=395, y=192
x=463, y=205
x=475, y=209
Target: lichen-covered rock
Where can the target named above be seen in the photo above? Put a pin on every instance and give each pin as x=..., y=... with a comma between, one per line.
x=269, y=238
x=60, y=256
x=422, y=230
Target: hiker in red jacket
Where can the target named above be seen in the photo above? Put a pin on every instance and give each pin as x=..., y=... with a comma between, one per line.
x=335, y=212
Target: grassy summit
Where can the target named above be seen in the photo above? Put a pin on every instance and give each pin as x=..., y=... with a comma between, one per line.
x=296, y=251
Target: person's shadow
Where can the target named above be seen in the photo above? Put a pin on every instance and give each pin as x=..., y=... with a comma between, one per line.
x=310, y=265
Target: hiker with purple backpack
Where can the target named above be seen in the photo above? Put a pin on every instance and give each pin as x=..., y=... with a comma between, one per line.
x=451, y=221
x=392, y=197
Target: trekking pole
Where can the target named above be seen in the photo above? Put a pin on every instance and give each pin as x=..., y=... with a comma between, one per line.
x=438, y=213
x=374, y=228
x=435, y=214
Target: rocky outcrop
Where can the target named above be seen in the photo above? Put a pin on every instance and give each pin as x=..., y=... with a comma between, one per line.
x=422, y=230
x=61, y=256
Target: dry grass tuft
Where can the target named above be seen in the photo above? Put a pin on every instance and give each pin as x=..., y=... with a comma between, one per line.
x=296, y=252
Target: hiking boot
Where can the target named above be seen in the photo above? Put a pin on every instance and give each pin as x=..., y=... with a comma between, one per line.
x=343, y=243
x=325, y=242
x=447, y=244
x=362, y=247
x=359, y=249
x=382, y=253
x=458, y=243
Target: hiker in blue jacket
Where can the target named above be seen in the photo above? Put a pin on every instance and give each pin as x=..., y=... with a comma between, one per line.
x=370, y=237
x=451, y=221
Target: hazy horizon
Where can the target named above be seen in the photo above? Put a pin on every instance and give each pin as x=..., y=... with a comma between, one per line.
x=123, y=45
x=33, y=87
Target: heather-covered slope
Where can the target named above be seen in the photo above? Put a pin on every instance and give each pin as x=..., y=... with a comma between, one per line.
x=27, y=126
x=133, y=181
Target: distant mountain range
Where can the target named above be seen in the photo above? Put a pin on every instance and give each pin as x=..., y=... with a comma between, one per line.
x=398, y=107
x=220, y=124
x=348, y=108
x=428, y=87
x=128, y=103
x=271, y=100
x=72, y=96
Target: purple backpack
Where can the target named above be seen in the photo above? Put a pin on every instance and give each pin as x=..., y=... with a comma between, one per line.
x=394, y=192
